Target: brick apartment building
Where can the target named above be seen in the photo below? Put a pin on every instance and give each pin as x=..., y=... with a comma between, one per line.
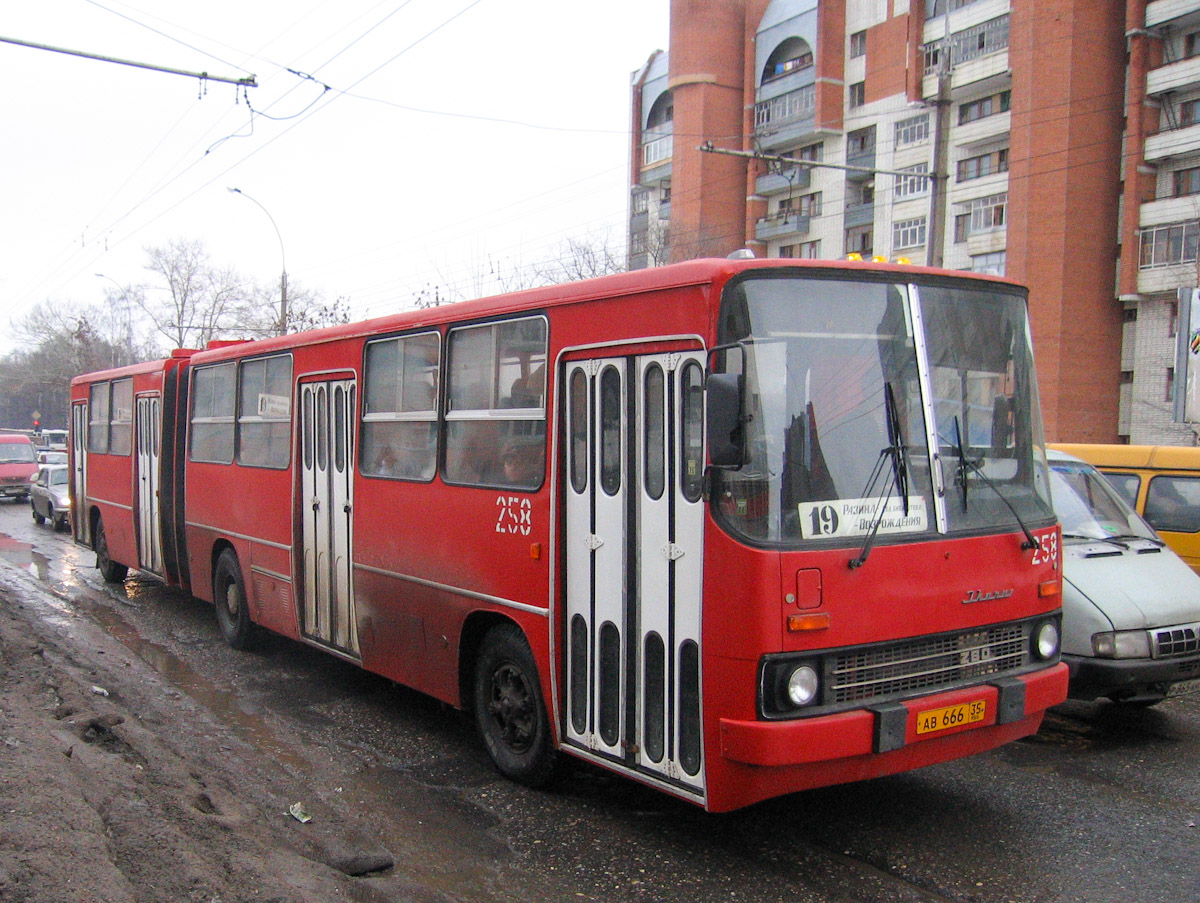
x=1056, y=142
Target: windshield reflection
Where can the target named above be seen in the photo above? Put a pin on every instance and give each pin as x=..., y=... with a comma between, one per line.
x=841, y=440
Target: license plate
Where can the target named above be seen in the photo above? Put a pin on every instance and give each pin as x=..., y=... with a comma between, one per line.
x=951, y=716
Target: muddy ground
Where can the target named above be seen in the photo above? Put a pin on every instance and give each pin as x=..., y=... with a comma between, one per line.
x=115, y=787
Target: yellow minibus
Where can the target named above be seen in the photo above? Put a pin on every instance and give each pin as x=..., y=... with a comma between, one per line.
x=1162, y=482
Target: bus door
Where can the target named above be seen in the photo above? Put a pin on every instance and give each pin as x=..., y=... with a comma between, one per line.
x=149, y=525
x=79, y=430
x=326, y=499
x=634, y=527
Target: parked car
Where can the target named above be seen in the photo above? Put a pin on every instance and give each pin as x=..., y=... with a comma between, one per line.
x=17, y=465
x=1131, y=607
x=50, y=497
x=1160, y=482
x=52, y=457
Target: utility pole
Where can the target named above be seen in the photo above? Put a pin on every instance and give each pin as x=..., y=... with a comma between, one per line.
x=934, y=236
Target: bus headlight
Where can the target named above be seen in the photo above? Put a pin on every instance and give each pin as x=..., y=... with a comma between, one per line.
x=802, y=685
x=1121, y=644
x=1045, y=640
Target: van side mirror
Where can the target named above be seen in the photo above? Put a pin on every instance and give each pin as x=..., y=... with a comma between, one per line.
x=726, y=433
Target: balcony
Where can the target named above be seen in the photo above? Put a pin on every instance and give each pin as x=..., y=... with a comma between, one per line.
x=1163, y=12
x=796, y=178
x=1174, y=77
x=785, y=119
x=1173, y=143
x=780, y=225
x=859, y=215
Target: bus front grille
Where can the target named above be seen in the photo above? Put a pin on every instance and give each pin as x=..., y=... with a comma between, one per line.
x=911, y=667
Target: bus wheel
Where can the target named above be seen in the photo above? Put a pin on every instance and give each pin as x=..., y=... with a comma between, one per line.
x=229, y=594
x=509, y=710
x=111, y=571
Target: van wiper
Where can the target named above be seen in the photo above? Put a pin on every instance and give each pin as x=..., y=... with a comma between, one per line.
x=967, y=466
x=898, y=454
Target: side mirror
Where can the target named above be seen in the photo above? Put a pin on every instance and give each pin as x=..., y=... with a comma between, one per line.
x=725, y=419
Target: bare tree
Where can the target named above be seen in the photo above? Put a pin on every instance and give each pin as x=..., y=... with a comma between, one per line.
x=257, y=315
x=60, y=341
x=196, y=301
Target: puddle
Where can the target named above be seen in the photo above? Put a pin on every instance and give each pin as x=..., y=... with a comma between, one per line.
x=14, y=551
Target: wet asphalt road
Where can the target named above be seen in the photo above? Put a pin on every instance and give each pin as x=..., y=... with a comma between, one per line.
x=1102, y=805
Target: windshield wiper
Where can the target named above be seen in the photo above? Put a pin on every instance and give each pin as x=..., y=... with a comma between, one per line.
x=967, y=466
x=897, y=452
x=897, y=449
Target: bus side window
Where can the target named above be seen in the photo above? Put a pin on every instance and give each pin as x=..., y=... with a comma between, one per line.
x=399, y=430
x=496, y=418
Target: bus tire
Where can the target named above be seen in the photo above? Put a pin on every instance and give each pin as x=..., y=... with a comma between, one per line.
x=509, y=709
x=229, y=596
x=111, y=571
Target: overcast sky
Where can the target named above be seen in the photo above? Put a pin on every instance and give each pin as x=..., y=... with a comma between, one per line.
x=420, y=140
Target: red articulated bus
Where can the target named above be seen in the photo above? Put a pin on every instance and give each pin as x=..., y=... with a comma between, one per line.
x=731, y=528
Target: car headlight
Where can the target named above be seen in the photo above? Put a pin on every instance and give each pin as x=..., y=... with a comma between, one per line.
x=802, y=685
x=1045, y=640
x=1121, y=644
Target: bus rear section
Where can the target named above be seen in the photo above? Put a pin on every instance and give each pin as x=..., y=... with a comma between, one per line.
x=126, y=498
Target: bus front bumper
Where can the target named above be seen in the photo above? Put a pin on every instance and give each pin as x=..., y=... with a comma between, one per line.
x=890, y=726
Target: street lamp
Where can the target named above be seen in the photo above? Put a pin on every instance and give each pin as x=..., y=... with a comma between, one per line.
x=283, y=302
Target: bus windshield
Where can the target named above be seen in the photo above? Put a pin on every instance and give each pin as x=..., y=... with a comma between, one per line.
x=903, y=410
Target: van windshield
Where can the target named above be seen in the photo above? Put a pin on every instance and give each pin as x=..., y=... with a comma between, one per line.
x=1088, y=506
x=16, y=452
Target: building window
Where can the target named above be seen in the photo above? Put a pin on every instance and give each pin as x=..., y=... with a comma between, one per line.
x=809, y=204
x=858, y=44
x=811, y=152
x=913, y=130
x=657, y=150
x=791, y=56
x=983, y=165
x=968, y=44
x=861, y=142
x=908, y=233
x=1164, y=246
x=912, y=186
x=939, y=7
x=861, y=240
x=1189, y=112
x=987, y=214
x=858, y=94
x=962, y=224
x=1170, y=393
x=807, y=250
x=641, y=201
x=1191, y=45
x=984, y=107
x=1187, y=181
x=990, y=264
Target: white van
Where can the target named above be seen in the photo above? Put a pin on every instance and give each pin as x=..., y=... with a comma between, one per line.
x=1131, y=607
